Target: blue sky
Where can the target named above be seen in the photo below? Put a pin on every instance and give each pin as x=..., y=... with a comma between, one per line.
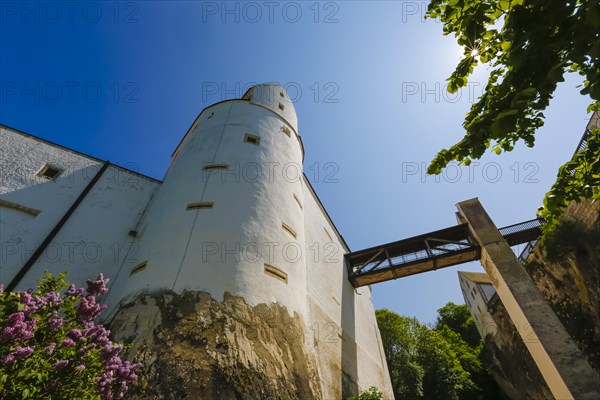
x=123, y=81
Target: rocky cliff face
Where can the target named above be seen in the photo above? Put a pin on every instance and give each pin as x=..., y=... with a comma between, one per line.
x=508, y=360
x=194, y=347
x=566, y=270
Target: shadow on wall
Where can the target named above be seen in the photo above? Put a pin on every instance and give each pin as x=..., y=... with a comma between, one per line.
x=83, y=249
x=349, y=350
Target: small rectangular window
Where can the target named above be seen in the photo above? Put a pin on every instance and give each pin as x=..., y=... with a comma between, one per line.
x=281, y=94
x=288, y=229
x=200, y=205
x=49, y=172
x=215, y=166
x=298, y=201
x=287, y=131
x=249, y=138
x=141, y=266
x=276, y=273
x=281, y=106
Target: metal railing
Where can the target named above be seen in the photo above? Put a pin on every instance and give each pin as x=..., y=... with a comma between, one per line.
x=433, y=250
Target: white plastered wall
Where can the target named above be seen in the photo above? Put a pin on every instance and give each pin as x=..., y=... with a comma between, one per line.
x=94, y=239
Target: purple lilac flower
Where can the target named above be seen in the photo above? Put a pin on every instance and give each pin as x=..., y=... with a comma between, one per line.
x=109, y=352
x=1, y=289
x=17, y=329
x=98, y=286
x=53, y=297
x=8, y=359
x=55, y=322
x=87, y=348
x=118, y=374
x=19, y=352
x=76, y=334
x=23, y=352
x=97, y=333
x=68, y=343
x=88, y=309
x=74, y=291
x=60, y=364
x=30, y=305
x=50, y=348
x=79, y=368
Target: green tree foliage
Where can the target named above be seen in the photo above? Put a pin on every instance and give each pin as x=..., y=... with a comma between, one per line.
x=458, y=319
x=51, y=348
x=371, y=394
x=530, y=45
x=443, y=362
x=400, y=338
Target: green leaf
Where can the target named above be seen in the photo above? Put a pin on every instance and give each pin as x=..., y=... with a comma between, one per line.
x=506, y=113
x=503, y=125
x=528, y=93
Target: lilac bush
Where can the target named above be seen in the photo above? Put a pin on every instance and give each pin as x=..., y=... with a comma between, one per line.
x=51, y=348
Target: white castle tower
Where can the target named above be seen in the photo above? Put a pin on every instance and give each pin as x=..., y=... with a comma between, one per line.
x=234, y=216
x=230, y=208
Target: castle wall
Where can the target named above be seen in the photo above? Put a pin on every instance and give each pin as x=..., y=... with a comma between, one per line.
x=234, y=217
x=96, y=236
x=344, y=333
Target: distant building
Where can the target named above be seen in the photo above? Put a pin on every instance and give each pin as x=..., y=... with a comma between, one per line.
x=477, y=290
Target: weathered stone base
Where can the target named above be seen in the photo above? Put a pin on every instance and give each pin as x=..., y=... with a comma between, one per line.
x=194, y=347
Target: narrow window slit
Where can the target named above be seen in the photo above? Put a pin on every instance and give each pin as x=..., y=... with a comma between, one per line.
x=298, y=201
x=19, y=207
x=288, y=229
x=215, y=166
x=140, y=267
x=287, y=131
x=276, y=273
x=200, y=205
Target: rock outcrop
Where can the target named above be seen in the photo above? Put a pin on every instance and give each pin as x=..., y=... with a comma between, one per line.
x=566, y=270
x=195, y=347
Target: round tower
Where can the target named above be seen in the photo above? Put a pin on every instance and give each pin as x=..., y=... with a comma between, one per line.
x=228, y=216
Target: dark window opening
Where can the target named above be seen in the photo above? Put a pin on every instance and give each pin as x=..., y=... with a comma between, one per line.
x=248, y=138
x=49, y=172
